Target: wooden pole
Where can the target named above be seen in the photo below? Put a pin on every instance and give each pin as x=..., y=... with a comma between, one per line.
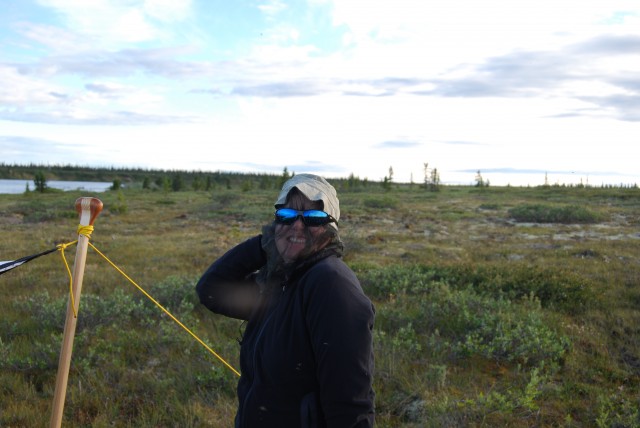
x=88, y=209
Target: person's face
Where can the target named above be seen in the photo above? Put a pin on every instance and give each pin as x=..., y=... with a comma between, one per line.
x=296, y=240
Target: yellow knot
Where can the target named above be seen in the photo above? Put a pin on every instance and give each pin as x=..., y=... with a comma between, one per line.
x=63, y=247
x=85, y=230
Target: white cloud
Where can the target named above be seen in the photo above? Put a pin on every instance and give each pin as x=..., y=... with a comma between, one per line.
x=56, y=38
x=19, y=90
x=414, y=37
x=168, y=10
x=110, y=22
x=271, y=8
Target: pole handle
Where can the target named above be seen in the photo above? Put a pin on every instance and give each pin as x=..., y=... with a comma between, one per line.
x=88, y=209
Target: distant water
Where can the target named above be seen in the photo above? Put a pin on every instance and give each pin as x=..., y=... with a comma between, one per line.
x=19, y=186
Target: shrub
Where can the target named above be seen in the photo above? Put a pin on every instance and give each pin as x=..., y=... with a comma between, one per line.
x=38, y=210
x=121, y=206
x=494, y=328
x=514, y=334
x=384, y=202
x=40, y=181
x=453, y=324
x=555, y=288
x=552, y=214
x=117, y=184
x=452, y=321
x=387, y=282
x=225, y=198
x=94, y=310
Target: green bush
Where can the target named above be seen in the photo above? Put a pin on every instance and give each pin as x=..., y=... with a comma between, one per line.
x=469, y=324
x=570, y=214
x=387, y=282
x=451, y=321
x=519, y=334
x=117, y=184
x=555, y=288
x=94, y=310
x=40, y=182
x=381, y=202
x=515, y=399
x=176, y=294
x=37, y=208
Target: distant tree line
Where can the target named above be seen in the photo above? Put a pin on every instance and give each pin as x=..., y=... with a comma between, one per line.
x=162, y=180
x=182, y=180
x=152, y=179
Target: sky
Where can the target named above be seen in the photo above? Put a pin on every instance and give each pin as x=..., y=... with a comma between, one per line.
x=526, y=92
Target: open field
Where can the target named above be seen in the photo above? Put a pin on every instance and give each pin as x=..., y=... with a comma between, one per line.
x=487, y=314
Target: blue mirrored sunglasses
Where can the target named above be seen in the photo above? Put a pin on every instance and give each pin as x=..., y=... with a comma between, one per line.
x=309, y=217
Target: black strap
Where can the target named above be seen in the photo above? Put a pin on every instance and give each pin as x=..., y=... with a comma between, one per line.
x=7, y=266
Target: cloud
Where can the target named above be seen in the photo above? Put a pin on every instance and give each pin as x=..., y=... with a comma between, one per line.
x=127, y=62
x=463, y=143
x=528, y=171
x=19, y=89
x=522, y=73
x=51, y=36
x=31, y=98
x=272, y=7
x=629, y=82
x=315, y=167
x=609, y=45
x=310, y=166
x=15, y=143
x=583, y=112
x=323, y=86
x=110, y=22
x=168, y=10
x=625, y=107
x=517, y=74
x=105, y=88
x=36, y=150
x=546, y=74
x=397, y=144
x=115, y=118
x=382, y=87
x=281, y=89
x=619, y=17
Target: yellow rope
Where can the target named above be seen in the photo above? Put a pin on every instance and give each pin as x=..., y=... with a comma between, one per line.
x=84, y=231
x=62, y=247
x=166, y=311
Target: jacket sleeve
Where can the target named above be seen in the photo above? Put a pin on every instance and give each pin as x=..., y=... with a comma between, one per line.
x=228, y=287
x=340, y=321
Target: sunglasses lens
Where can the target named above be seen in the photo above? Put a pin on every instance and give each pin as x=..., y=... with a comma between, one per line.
x=286, y=215
x=315, y=218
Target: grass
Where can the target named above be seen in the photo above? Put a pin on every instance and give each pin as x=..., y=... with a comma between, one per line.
x=484, y=317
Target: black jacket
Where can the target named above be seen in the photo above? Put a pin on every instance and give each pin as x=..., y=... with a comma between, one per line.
x=306, y=355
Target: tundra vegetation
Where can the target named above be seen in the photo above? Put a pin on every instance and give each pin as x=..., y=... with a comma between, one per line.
x=496, y=306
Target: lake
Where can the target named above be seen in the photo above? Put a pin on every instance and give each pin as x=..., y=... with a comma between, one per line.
x=19, y=186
